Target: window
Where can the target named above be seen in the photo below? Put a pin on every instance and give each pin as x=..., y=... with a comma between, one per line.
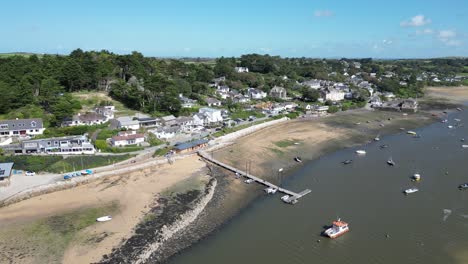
x=33, y=123
x=3, y=126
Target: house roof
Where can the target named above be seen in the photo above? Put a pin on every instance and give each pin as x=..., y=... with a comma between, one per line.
x=210, y=100
x=20, y=124
x=88, y=117
x=5, y=169
x=168, y=118
x=127, y=121
x=127, y=137
x=188, y=145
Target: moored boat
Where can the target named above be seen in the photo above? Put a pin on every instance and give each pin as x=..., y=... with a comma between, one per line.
x=361, y=152
x=346, y=162
x=271, y=190
x=463, y=186
x=416, y=177
x=391, y=162
x=411, y=190
x=464, y=146
x=338, y=228
x=297, y=159
x=411, y=133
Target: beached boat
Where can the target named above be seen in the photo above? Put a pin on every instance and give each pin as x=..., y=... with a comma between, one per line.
x=463, y=186
x=411, y=133
x=104, y=218
x=338, y=228
x=360, y=152
x=297, y=159
x=416, y=177
x=411, y=190
x=391, y=162
x=346, y=162
x=270, y=190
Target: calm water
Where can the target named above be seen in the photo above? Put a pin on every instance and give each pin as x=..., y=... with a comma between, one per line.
x=430, y=226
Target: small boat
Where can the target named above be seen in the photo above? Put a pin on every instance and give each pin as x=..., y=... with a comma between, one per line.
x=391, y=162
x=411, y=133
x=296, y=143
x=287, y=199
x=405, y=114
x=464, y=146
x=346, y=162
x=463, y=186
x=459, y=109
x=104, y=218
x=270, y=190
x=358, y=123
x=338, y=228
x=456, y=119
x=416, y=177
x=450, y=127
x=462, y=140
x=377, y=139
x=411, y=190
x=298, y=159
x=360, y=152
x=402, y=128
x=249, y=181
x=444, y=121
x=280, y=169
x=383, y=146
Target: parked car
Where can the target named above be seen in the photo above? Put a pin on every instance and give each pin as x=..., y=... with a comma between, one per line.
x=30, y=173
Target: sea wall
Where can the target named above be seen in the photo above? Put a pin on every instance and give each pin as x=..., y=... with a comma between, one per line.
x=81, y=180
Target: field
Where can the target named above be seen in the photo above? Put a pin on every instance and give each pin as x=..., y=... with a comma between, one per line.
x=24, y=54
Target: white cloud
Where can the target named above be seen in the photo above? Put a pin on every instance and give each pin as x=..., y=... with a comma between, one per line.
x=453, y=42
x=426, y=31
x=416, y=21
x=265, y=50
x=387, y=42
x=323, y=13
x=447, y=34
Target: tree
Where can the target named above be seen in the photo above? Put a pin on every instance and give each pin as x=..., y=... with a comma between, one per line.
x=309, y=94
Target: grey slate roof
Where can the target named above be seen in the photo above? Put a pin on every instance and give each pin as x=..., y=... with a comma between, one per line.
x=20, y=124
x=5, y=169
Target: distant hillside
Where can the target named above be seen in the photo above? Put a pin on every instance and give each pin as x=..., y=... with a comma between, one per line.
x=25, y=54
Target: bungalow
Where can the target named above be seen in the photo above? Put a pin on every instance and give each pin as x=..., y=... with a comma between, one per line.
x=190, y=146
x=186, y=102
x=107, y=111
x=21, y=127
x=278, y=92
x=256, y=94
x=87, y=119
x=241, y=69
x=62, y=146
x=125, y=139
x=212, y=102
x=128, y=122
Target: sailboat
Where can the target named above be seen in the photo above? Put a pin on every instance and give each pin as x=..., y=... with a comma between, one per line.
x=391, y=162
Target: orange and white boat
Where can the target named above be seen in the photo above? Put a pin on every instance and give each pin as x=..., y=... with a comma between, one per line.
x=339, y=228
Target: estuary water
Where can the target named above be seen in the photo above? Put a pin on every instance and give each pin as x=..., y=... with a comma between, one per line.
x=386, y=226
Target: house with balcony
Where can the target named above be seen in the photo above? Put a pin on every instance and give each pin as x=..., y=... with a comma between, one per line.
x=72, y=145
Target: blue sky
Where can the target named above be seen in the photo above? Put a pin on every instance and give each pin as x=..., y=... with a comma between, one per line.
x=209, y=28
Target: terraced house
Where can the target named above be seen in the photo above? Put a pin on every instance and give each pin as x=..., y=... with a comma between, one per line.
x=21, y=127
x=61, y=146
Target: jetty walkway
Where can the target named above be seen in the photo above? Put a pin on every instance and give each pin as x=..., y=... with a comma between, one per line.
x=293, y=196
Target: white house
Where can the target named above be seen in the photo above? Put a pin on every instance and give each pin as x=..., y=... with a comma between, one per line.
x=314, y=84
x=127, y=138
x=21, y=127
x=241, y=69
x=208, y=116
x=87, y=119
x=165, y=132
x=127, y=122
x=187, y=102
x=333, y=95
x=107, y=111
x=256, y=94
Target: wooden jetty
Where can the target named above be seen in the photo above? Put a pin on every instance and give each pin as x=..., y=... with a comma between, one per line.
x=293, y=196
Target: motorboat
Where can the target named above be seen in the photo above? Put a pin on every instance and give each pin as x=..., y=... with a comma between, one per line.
x=337, y=229
x=450, y=127
x=288, y=199
x=377, y=139
x=346, y=162
x=459, y=109
x=391, y=162
x=104, y=218
x=463, y=186
x=298, y=159
x=416, y=177
x=383, y=146
x=464, y=146
x=360, y=152
x=411, y=190
x=271, y=190
x=411, y=133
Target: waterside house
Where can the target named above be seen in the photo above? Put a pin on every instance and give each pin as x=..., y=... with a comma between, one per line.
x=61, y=145
x=190, y=146
x=21, y=127
x=127, y=138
